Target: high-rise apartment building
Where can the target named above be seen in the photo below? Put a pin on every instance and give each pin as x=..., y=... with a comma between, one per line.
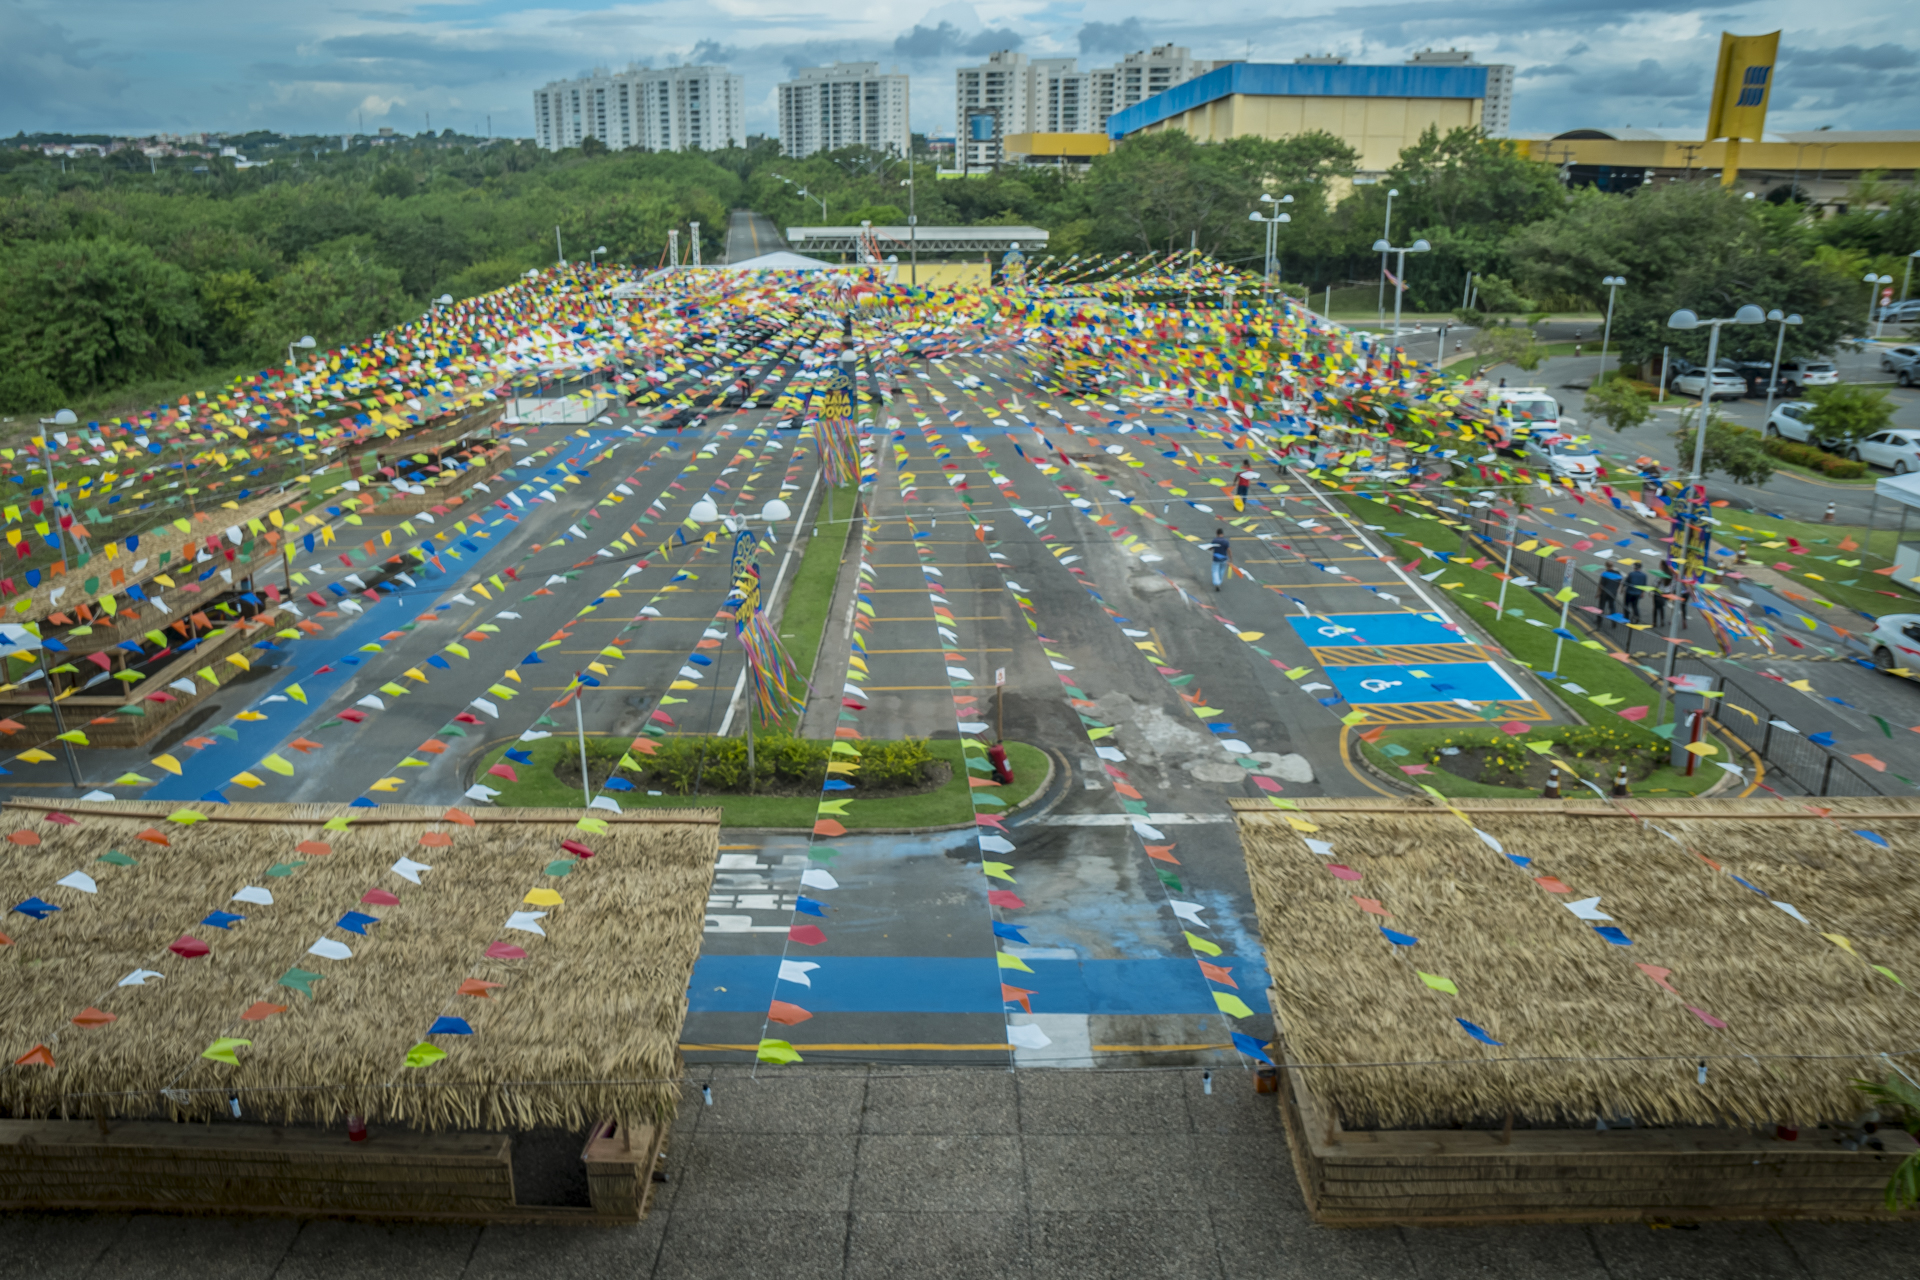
x=1497, y=117
x=848, y=104
x=1010, y=93
x=653, y=109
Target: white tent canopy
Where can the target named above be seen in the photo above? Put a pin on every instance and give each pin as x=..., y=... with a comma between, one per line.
x=1902, y=489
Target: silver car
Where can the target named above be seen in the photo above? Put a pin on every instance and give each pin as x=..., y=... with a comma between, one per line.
x=1727, y=385
x=1900, y=362
x=1797, y=375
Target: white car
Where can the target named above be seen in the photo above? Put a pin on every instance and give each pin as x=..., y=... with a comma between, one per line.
x=1897, y=450
x=1727, y=385
x=1895, y=641
x=1790, y=422
x=1902, y=362
x=1797, y=375
x=1563, y=456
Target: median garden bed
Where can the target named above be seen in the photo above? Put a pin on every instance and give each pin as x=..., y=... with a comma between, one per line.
x=902, y=783
x=1489, y=762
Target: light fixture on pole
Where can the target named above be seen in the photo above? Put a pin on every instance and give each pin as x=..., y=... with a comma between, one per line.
x=704, y=512
x=1873, y=291
x=1783, y=320
x=913, y=227
x=1386, y=234
x=593, y=258
x=1613, y=284
x=1696, y=488
x=1399, y=284
x=444, y=300
x=1272, y=222
x=775, y=511
x=306, y=343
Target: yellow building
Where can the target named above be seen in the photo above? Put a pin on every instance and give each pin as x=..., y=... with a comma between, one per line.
x=1377, y=110
x=1055, y=148
x=1822, y=165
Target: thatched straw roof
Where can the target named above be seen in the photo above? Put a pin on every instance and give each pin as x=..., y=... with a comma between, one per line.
x=1584, y=1030
x=586, y=1026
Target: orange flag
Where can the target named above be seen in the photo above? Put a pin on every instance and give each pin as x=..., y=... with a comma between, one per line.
x=791, y=1015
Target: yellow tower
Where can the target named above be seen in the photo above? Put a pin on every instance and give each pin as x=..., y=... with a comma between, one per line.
x=1741, y=85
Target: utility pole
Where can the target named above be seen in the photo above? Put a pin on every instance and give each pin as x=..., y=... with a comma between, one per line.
x=695, y=239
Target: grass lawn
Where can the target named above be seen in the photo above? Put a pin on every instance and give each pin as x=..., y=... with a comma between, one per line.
x=1854, y=585
x=946, y=806
x=804, y=618
x=1419, y=743
x=1531, y=645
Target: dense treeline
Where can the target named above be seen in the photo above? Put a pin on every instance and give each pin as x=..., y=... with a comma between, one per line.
x=117, y=274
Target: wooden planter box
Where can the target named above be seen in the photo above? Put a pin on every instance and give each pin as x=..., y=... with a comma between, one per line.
x=1466, y=1177
x=121, y=731
x=189, y=1168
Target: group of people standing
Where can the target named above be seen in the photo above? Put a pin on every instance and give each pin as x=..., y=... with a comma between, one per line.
x=1635, y=586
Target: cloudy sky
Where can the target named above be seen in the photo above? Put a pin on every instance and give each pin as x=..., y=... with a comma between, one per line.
x=134, y=66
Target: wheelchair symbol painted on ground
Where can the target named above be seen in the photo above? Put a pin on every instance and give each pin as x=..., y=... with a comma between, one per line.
x=1380, y=686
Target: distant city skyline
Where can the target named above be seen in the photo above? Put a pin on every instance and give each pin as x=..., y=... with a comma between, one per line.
x=121, y=67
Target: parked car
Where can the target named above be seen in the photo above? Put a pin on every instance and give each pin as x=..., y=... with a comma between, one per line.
x=1895, y=641
x=1789, y=421
x=1897, y=450
x=1797, y=375
x=1727, y=383
x=1907, y=312
x=1901, y=362
x=1563, y=456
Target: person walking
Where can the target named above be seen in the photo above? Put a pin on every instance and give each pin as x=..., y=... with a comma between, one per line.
x=997, y=757
x=1243, y=482
x=1221, y=551
x=1660, y=599
x=1609, y=588
x=1686, y=598
x=1636, y=587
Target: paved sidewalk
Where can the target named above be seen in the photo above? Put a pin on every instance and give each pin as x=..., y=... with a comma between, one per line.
x=898, y=1172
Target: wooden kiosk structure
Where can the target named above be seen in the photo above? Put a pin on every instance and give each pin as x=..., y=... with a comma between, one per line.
x=1547, y=1011
x=199, y=1005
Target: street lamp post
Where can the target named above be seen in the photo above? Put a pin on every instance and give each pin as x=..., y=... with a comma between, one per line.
x=1272, y=224
x=1399, y=285
x=593, y=258
x=1684, y=319
x=913, y=226
x=306, y=343
x=1613, y=284
x=1873, y=291
x=64, y=418
x=1386, y=234
x=1779, y=347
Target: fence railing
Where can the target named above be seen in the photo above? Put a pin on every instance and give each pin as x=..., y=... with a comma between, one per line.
x=1747, y=710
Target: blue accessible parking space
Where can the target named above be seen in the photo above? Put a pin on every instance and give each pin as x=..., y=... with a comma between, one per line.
x=1443, y=682
x=1356, y=630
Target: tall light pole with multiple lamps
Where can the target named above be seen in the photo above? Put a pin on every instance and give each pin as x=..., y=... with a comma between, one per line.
x=1779, y=347
x=1613, y=284
x=1271, y=267
x=1684, y=319
x=1386, y=234
x=1400, y=284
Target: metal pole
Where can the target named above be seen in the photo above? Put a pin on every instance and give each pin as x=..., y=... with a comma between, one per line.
x=1773, y=376
x=59, y=724
x=694, y=238
x=53, y=491
x=1606, y=334
x=913, y=223
x=1664, y=352
x=559, y=253
x=1386, y=233
x=1399, y=289
x=1506, y=572
x=1566, y=584
x=1694, y=485
x=580, y=721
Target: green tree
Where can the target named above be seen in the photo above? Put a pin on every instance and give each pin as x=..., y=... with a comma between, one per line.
x=229, y=301
x=1511, y=344
x=78, y=316
x=1158, y=191
x=1847, y=411
x=1692, y=246
x=1619, y=404
x=335, y=293
x=1731, y=450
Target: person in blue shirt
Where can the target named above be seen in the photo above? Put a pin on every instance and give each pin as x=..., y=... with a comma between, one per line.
x=1221, y=551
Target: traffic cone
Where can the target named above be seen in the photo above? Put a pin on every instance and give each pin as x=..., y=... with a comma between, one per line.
x=1553, y=785
x=1827, y=518
x=1620, y=782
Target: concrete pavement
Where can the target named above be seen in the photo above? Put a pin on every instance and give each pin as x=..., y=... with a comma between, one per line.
x=751, y=234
